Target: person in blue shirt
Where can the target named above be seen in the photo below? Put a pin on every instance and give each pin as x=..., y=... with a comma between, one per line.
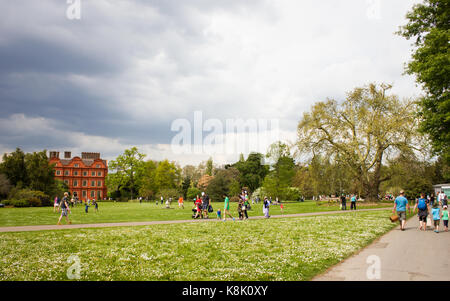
x=400, y=205
x=353, y=202
x=436, y=212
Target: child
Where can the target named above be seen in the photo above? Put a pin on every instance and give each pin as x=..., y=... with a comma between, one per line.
x=445, y=217
x=281, y=208
x=436, y=216
x=219, y=214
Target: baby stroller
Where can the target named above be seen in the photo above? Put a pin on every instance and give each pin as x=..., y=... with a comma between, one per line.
x=194, y=212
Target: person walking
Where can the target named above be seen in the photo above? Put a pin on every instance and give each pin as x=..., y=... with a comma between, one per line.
x=95, y=203
x=436, y=212
x=245, y=207
x=400, y=205
x=181, y=202
x=205, y=204
x=266, y=206
x=65, y=209
x=421, y=205
x=226, y=209
x=343, y=202
x=445, y=218
x=353, y=202
x=56, y=204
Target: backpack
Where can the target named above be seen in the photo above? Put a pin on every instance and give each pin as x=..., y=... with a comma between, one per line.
x=210, y=209
x=422, y=204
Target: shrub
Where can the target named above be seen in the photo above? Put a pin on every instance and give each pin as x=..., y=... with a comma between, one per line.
x=35, y=202
x=28, y=195
x=234, y=199
x=20, y=203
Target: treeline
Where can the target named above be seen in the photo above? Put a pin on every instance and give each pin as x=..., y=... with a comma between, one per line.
x=27, y=179
x=369, y=145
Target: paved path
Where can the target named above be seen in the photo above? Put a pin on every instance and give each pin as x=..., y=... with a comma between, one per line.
x=125, y=224
x=404, y=255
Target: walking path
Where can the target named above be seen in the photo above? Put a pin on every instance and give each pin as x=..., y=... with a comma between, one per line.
x=125, y=224
x=404, y=255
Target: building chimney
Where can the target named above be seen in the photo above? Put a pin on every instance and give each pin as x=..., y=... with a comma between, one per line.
x=67, y=155
x=54, y=155
x=90, y=156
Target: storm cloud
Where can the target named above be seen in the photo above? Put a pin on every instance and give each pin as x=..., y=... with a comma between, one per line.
x=126, y=70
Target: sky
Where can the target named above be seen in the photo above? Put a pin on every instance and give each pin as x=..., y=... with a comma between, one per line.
x=106, y=75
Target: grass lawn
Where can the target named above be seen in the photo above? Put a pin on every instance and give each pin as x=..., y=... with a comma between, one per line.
x=295, y=248
x=127, y=212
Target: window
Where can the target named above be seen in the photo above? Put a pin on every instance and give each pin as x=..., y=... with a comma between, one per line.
x=99, y=183
x=93, y=174
x=84, y=193
x=75, y=173
x=77, y=165
x=93, y=183
x=99, y=194
x=99, y=174
x=58, y=172
x=85, y=173
x=75, y=183
x=67, y=182
x=92, y=193
x=84, y=183
x=66, y=172
x=97, y=166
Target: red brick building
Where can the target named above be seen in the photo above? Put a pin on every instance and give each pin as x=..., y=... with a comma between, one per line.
x=85, y=176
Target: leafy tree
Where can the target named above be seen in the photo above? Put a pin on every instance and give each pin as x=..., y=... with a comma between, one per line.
x=128, y=169
x=280, y=178
x=185, y=186
x=13, y=166
x=5, y=185
x=252, y=171
x=39, y=172
x=148, y=187
x=167, y=175
x=221, y=183
x=192, y=192
x=209, y=167
x=361, y=131
x=429, y=25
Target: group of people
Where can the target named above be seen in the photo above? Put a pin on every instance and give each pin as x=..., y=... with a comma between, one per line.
x=63, y=205
x=353, y=198
x=427, y=207
x=202, y=206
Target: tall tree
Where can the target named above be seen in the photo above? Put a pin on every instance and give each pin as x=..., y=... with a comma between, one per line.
x=13, y=166
x=128, y=168
x=362, y=130
x=167, y=175
x=429, y=26
x=40, y=174
x=252, y=171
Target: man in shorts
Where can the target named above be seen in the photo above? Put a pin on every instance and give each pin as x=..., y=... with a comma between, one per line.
x=65, y=210
x=400, y=205
x=422, y=206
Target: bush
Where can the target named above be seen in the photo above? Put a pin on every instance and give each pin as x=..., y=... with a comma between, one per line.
x=35, y=202
x=20, y=203
x=235, y=199
x=28, y=195
x=192, y=193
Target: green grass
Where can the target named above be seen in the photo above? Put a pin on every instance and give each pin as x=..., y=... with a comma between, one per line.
x=127, y=212
x=295, y=248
